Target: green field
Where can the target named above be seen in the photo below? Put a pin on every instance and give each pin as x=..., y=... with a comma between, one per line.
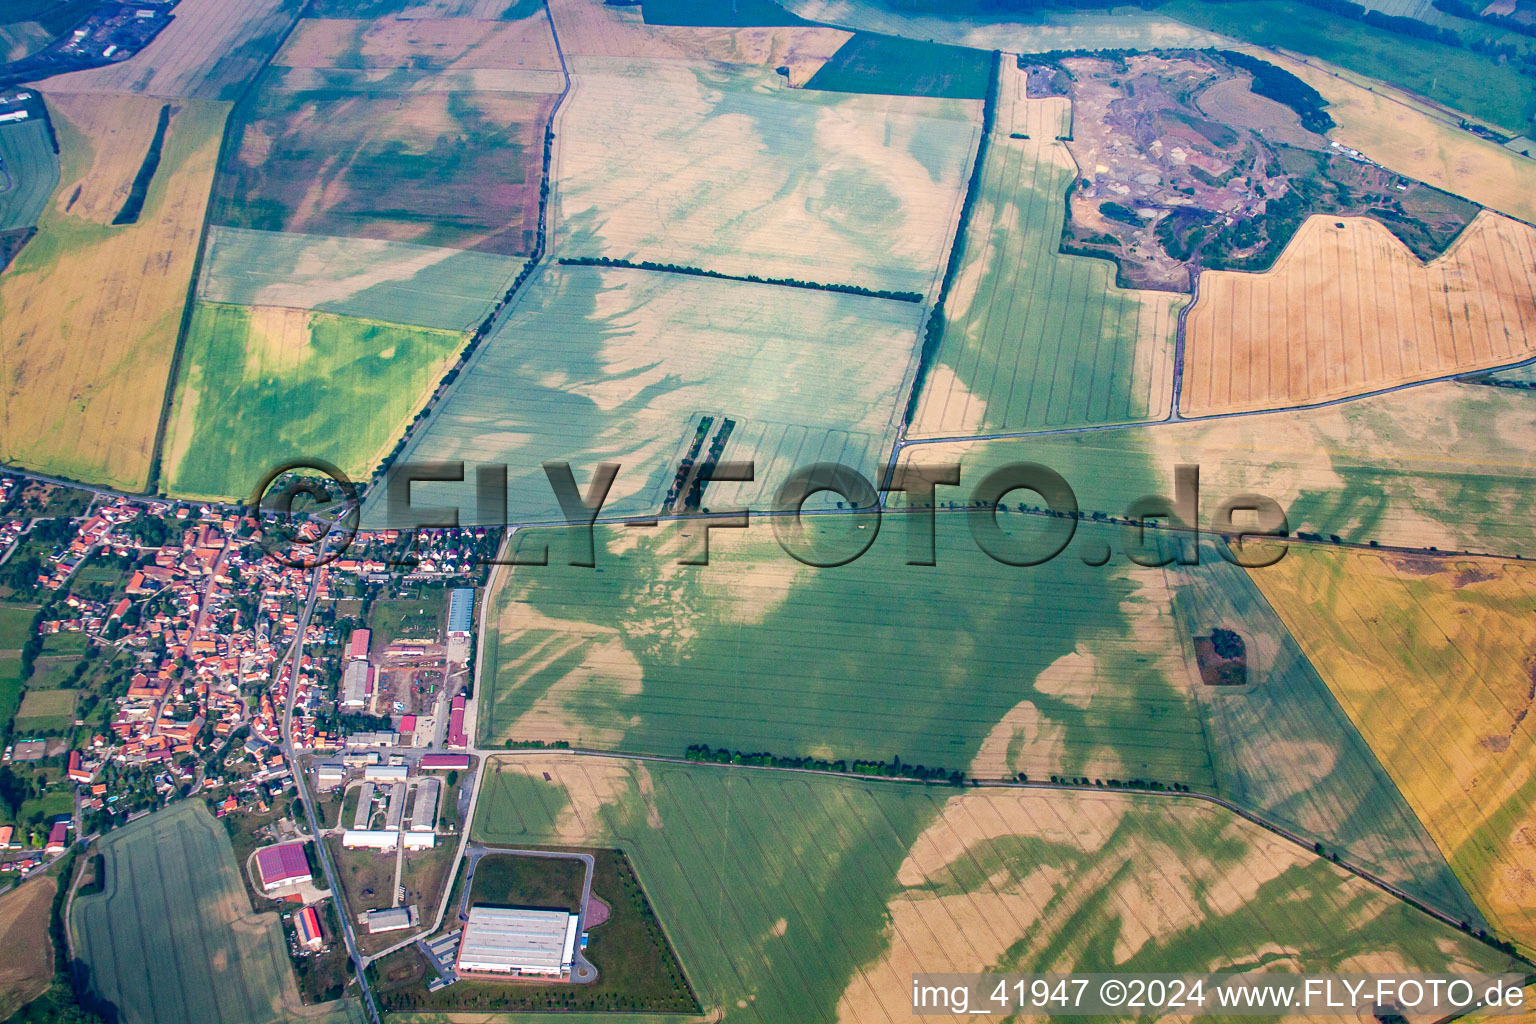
x=724, y=170
x=904, y=67
x=394, y=619
x=262, y=385
x=10, y=686
x=1430, y=467
x=1519, y=375
x=1477, y=84
x=172, y=938
x=392, y=282
x=1034, y=339
x=15, y=625
x=45, y=710
x=809, y=899
x=739, y=13
x=508, y=880
x=1057, y=668
x=30, y=171
x=605, y=364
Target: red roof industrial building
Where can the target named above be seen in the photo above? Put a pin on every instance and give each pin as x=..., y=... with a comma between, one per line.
x=282, y=865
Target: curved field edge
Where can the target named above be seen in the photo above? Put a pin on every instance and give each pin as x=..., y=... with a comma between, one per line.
x=260, y=385
x=854, y=884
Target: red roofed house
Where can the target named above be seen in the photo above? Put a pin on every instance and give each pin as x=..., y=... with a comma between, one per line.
x=358, y=646
x=76, y=773
x=456, y=723
x=443, y=762
x=283, y=865
x=58, y=838
x=307, y=923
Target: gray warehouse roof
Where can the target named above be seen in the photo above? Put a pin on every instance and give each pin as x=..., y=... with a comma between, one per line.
x=524, y=941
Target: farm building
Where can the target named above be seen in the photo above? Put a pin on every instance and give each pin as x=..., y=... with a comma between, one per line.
x=357, y=646
x=395, y=814
x=444, y=762
x=329, y=774
x=364, y=807
x=385, y=773
x=356, y=684
x=58, y=838
x=363, y=839
x=518, y=942
x=281, y=866
x=461, y=612
x=307, y=923
x=391, y=920
x=424, y=812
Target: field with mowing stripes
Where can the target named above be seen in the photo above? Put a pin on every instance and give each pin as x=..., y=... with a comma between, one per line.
x=621, y=365
x=433, y=43
x=172, y=939
x=856, y=885
x=28, y=954
x=1431, y=657
x=1347, y=309
x=1034, y=339
x=393, y=282
x=263, y=384
x=31, y=170
x=969, y=664
x=90, y=311
x=724, y=169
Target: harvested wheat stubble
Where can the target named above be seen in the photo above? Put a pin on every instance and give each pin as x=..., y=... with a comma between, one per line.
x=89, y=311
x=1436, y=647
x=210, y=50
x=1347, y=309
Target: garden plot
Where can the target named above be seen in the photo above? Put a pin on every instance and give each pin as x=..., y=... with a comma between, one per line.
x=722, y=169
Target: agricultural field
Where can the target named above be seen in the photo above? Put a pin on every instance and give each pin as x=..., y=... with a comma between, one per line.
x=1413, y=138
x=448, y=169
x=416, y=10
x=904, y=67
x=172, y=938
x=388, y=282
x=1034, y=339
x=758, y=652
x=929, y=878
x=210, y=51
x=1520, y=376
x=1092, y=677
x=434, y=44
x=1347, y=309
x=261, y=384
x=724, y=170
x=1046, y=30
x=45, y=710
x=27, y=952
x=29, y=170
x=91, y=310
x=604, y=364
x=1441, y=466
x=1416, y=648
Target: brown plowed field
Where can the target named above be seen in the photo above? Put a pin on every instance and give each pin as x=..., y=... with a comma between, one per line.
x=1347, y=310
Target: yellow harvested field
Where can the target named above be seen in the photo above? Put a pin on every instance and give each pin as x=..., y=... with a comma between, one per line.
x=1347, y=309
x=591, y=28
x=1404, y=134
x=459, y=44
x=89, y=312
x=1044, y=118
x=27, y=955
x=1432, y=659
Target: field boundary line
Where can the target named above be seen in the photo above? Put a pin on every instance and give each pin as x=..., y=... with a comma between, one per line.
x=1210, y=798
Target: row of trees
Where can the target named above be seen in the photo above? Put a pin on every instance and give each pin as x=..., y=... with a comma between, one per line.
x=894, y=768
x=788, y=282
